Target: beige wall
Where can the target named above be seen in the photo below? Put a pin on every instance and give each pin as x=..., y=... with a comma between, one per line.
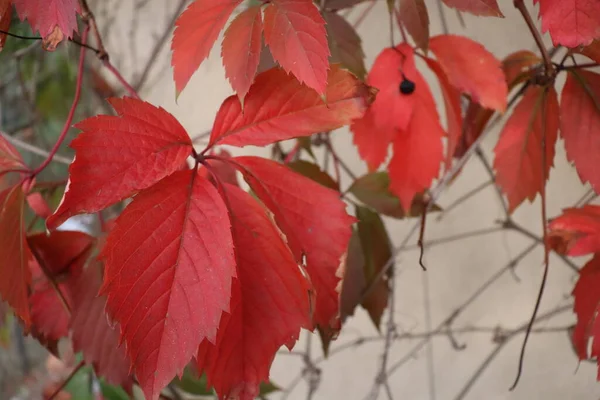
x=456, y=270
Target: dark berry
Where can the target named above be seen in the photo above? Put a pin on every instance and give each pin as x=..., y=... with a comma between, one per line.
x=407, y=87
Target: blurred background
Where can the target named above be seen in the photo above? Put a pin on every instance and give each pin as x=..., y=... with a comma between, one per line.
x=458, y=328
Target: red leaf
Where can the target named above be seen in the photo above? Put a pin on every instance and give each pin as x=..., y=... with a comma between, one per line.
x=169, y=263
x=269, y=304
x=315, y=222
x=453, y=110
x=592, y=51
x=241, y=50
x=14, y=253
x=196, y=31
x=571, y=23
x=391, y=111
x=580, y=124
x=418, y=153
x=224, y=171
x=44, y=15
x=587, y=306
x=5, y=17
x=62, y=255
x=472, y=69
x=577, y=231
x=118, y=156
x=519, y=156
x=10, y=158
x=92, y=335
x=413, y=15
x=345, y=44
x=518, y=66
x=277, y=107
x=295, y=33
x=487, y=8
x=39, y=205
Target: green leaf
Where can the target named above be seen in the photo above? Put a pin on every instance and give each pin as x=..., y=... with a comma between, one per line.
x=369, y=251
x=312, y=171
x=110, y=392
x=373, y=190
x=268, y=388
x=191, y=384
x=80, y=385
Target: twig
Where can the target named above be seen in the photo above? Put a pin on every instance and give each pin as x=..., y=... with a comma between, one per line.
x=442, y=13
x=520, y=5
x=66, y=381
x=69, y=120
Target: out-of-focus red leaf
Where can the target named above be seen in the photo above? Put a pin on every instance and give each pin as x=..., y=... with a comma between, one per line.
x=518, y=66
x=587, y=306
x=14, y=253
x=580, y=124
x=62, y=255
x=520, y=163
x=295, y=33
x=116, y=156
x=392, y=110
x=168, y=269
x=5, y=18
x=472, y=69
x=334, y=5
x=488, y=8
x=571, y=23
x=314, y=172
x=315, y=223
x=345, y=44
x=39, y=205
x=10, y=158
x=196, y=31
x=413, y=15
x=278, y=107
x=45, y=15
x=453, y=110
x=591, y=51
x=92, y=335
x=270, y=303
x=241, y=49
x=576, y=232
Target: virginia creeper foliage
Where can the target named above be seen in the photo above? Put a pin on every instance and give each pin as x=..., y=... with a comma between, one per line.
x=193, y=270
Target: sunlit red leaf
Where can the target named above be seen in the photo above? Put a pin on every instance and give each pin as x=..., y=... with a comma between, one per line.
x=5, y=18
x=587, y=306
x=315, y=223
x=392, y=110
x=522, y=168
x=472, y=69
x=278, y=107
x=14, y=253
x=44, y=15
x=62, y=256
x=413, y=15
x=269, y=304
x=169, y=264
x=345, y=44
x=580, y=124
x=196, y=31
x=453, y=110
x=477, y=7
x=295, y=33
x=241, y=49
x=92, y=335
x=571, y=23
x=116, y=156
x=577, y=231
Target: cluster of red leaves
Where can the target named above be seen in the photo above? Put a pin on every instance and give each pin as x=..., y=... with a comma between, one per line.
x=577, y=232
x=196, y=267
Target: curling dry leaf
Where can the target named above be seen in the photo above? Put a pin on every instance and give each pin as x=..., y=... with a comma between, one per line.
x=577, y=231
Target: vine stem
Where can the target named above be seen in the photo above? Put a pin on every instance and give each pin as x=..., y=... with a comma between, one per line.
x=69, y=120
x=520, y=5
x=66, y=381
x=132, y=92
